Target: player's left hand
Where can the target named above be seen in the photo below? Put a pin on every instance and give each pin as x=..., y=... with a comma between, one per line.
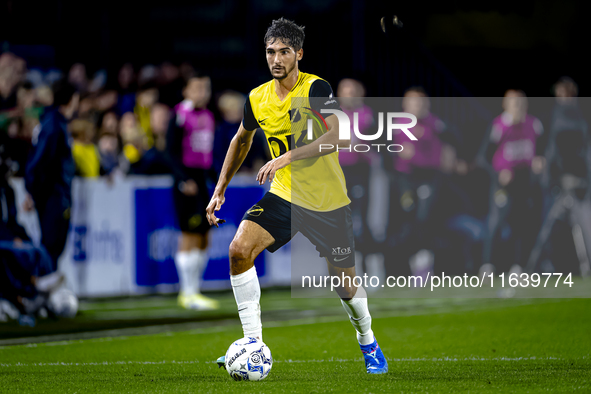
x=217, y=200
x=269, y=169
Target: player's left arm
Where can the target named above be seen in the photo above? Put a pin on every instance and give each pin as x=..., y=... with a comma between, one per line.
x=330, y=138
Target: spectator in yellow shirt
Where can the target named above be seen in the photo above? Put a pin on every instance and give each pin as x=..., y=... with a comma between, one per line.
x=85, y=153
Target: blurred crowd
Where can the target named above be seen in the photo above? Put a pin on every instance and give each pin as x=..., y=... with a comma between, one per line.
x=516, y=201
x=55, y=126
x=122, y=120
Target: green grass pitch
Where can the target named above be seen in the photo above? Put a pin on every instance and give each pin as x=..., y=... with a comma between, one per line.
x=486, y=345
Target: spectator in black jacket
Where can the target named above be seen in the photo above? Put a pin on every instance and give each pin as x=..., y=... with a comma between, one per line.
x=50, y=170
x=21, y=262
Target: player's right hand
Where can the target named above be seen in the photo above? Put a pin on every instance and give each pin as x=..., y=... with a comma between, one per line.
x=214, y=205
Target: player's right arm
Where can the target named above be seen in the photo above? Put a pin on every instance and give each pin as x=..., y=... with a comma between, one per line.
x=237, y=152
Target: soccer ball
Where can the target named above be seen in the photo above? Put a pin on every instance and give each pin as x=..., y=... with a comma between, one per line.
x=63, y=302
x=248, y=359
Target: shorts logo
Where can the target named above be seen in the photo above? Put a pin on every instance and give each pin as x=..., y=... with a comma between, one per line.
x=255, y=211
x=341, y=251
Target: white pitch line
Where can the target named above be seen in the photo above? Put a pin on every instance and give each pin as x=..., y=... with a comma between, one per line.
x=290, y=361
x=111, y=335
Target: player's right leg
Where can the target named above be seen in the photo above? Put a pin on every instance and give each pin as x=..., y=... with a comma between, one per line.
x=250, y=240
x=267, y=225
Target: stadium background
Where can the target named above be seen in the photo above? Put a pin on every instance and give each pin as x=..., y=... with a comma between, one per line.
x=457, y=50
x=437, y=48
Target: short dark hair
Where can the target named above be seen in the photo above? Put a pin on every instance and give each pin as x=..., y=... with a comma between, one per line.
x=416, y=89
x=286, y=31
x=197, y=74
x=63, y=91
x=27, y=85
x=148, y=86
x=569, y=83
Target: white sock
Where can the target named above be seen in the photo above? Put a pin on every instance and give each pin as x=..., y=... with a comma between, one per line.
x=359, y=316
x=186, y=266
x=247, y=293
x=201, y=257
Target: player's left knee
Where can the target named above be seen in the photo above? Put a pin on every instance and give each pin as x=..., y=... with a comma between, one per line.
x=239, y=251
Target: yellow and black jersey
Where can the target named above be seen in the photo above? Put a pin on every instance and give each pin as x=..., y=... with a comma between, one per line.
x=318, y=183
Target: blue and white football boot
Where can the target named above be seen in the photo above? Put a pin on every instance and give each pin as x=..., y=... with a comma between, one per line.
x=375, y=362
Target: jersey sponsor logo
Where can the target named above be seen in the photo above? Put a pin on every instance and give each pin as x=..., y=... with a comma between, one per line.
x=319, y=119
x=262, y=121
x=285, y=146
x=255, y=211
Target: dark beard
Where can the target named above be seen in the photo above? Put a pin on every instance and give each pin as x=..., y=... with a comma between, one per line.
x=282, y=77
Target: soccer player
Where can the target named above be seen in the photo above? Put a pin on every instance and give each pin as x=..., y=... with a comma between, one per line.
x=317, y=205
x=190, y=147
